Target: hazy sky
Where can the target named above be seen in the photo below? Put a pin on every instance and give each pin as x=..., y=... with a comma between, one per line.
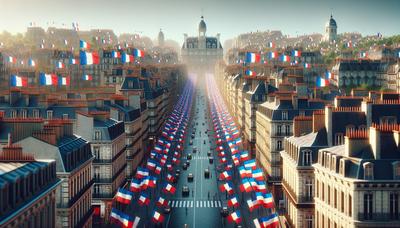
x=228, y=17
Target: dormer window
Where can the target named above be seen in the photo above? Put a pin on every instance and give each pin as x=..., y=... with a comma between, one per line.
x=35, y=113
x=97, y=135
x=13, y=114
x=49, y=114
x=339, y=139
x=368, y=171
x=65, y=116
x=307, y=157
x=284, y=115
x=130, y=84
x=396, y=170
x=24, y=114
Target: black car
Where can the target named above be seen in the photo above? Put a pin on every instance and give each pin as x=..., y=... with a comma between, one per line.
x=188, y=163
x=209, y=153
x=206, y=173
x=184, y=166
x=210, y=160
x=167, y=210
x=190, y=177
x=178, y=171
x=194, y=149
x=185, y=191
x=224, y=211
x=189, y=157
x=191, y=142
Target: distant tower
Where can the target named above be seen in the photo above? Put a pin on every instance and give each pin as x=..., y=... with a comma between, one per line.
x=202, y=33
x=331, y=30
x=161, y=38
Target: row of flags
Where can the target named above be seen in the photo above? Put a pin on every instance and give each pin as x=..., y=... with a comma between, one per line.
x=252, y=57
x=166, y=152
x=235, y=159
x=46, y=80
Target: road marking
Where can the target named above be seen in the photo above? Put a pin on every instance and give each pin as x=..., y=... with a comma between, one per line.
x=201, y=203
x=191, y=203
x=212, y=203
x=197, y=203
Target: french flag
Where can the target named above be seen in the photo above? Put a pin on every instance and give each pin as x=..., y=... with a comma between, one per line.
x=31, y=63
x=72, y=61
x=143, y=199
x=60, y=65
x=296, y=53
x=48, y=79
x=252, y=57
x=135, y=185
x=124, y=196
x=170, y=178
x=244, y=156
x=260, y=186
x=169, y=189
x=268, y=201
x=245, y=186
x=225, y=175
x=233, y=202
x=18, y=81
x=235, y=217
x=63, y=81
x=12, y=59
x=157, y=217
x=250, y=164
x=271, y=44
x=363, y=54
x=271, y=221
x=251, y=204
x=84, y=44
x=141, y=172
x=87, y=77
x=157, y=170
x=226, y=187
x=321, y=82
x=152, y=182
x=127, y=58
x=151, y=165
x=285, y=58
x=138, y=53
x=89, y=58
x=273, y=55
x=257, y=174
x=161, y=202
x=116, y=54
x=250, y=73
x=121, y=218
x=328, y=75
x=307, y=65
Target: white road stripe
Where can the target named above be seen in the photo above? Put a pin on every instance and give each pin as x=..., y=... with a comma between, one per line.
x=197, y=203
x=219, y=202
x=208, y=203
x=212, y=203
x=191, y=203
x=172, y=203
x=201, y=203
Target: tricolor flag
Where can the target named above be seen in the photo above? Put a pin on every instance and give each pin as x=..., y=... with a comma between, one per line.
x=161, y=202
x=245, y=186
x=250, y=164
x=349, y=44
x=170, y=178
x=285, y=58
x=296, y=53
x=60, y=65
x=273, y=55
x=328, y=75
x=89, y=58
x=271, y=221
x=84, y=44
x=259, y=198
x=31, y=63
x=271, y=44
x=244, y=156
x=157, y=170
x=135, y=185
x=121, y=218
x=125, y=58
x=12, y=59
x=268, y=201
x=151, y=165
x=363, y=54
x=250, y=72
x=157, y=217
x=87, y=77
x=116, y=54
x=48, y=79
x=18, y=81
x=143, y=199
x=138, y=53
x=64, y=81
x=233, y=202
x=72, y=61
x=225, y=175
x=257, y=174
x=253, y=57
x=226, y=187
x=168, y=188
x=307, y=65
x=124, y=196
x=235, y=217
x=252, y=204
x=321, y=82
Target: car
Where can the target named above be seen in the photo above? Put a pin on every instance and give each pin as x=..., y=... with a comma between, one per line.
x=224, y=211
x=209, y=153
x=178, y=171
x=206, y=173
x=184, y=166
x=177, y=175
x=210, y=160
x=185, y=191
x=204, y=141
x=194, y=149
x=188, y=163
x=191, y=142
x=167, y=210
x=190, y=177
x=189, y=156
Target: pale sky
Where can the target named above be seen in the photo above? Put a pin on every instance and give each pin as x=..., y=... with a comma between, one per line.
x=228, y=17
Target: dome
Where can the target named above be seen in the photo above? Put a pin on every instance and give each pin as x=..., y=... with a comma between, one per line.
x=331, y=22
x=202, y=25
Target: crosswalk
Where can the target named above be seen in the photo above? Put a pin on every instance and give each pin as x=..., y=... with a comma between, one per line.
x=197, y=203
x=200, y=157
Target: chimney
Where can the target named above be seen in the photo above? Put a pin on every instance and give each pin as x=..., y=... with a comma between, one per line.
x=355, y=141
x=366, y=107
x=46, y=135
x=375, y=141
x=302, y=125
x=13, y=153
x=295, y=101
x=100, y=115
x=318, y=120
x=328, y=124
x=396, y=135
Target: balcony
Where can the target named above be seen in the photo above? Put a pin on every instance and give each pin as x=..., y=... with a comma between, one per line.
x=102, y=195
x=379, y=217
x=108, y=161
x=77, y=196
x=85, y=218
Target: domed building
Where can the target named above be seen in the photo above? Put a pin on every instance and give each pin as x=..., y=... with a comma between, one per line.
x=201, y=52
x=330, y=30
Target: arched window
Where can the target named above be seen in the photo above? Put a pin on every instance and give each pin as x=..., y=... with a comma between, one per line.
x=368, y=171
x=307, y=157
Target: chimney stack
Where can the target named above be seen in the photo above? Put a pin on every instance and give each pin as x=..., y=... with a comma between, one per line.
x=302, y=125
x=318, y=120
x=355, y=141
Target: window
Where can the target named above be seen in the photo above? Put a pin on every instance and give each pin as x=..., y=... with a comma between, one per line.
x=396, y=170
x=309, y=189
x=368, y=205
x=388, y=120
x=65, y=116
x=96, y=150
x=307, y=157
x=97, y=135
x=49, y=114
x=368, y=171
x=302, y=113
x=36, y=113
x=13, y=114
x=394, y=205
x=130, y=84
x=350, y=128
x=309, y=221
x=339, y=139
x=287, y=130
x=279, y=145
x=279, y=130
x=24, y=113
x=342, y=202
x=284, y=115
